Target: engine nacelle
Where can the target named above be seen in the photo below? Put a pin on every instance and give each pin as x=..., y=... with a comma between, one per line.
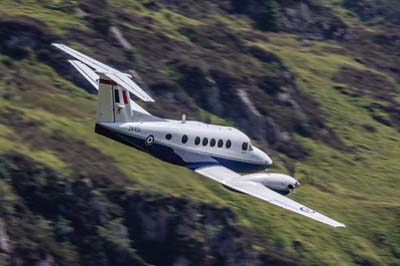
x=280, y=183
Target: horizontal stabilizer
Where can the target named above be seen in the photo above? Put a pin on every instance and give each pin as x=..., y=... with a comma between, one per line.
x=138, y=108
x=90, y=68
x=87, y=72
x=96, y=65
x=124, y=80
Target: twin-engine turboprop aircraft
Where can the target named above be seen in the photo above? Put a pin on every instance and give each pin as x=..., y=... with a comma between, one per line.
x=216, y=152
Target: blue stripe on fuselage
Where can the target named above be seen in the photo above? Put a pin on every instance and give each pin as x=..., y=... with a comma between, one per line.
x=167, y=154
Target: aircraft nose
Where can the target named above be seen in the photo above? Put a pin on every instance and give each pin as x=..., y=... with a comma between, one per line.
x=263, y=158
x=268, y=161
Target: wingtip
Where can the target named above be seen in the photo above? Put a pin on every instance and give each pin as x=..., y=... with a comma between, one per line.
x=340, y=225
x=57, y=45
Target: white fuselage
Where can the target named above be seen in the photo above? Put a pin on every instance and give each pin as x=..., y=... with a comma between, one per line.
x=191, y=143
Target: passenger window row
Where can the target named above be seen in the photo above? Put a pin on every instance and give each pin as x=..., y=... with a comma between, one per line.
x=212, y=142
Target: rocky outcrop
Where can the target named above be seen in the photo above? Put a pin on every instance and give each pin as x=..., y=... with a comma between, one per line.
x=5, y=245
x=313, y=21
x=305, y=17
x=117, y=34
x=173, y=226
x=368, y=10
x=90, y=221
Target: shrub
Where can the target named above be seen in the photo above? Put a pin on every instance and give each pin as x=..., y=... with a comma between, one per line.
x=133, y=55
x=102, y=22
x=270, y=18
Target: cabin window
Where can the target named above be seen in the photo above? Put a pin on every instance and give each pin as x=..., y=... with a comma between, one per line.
x=205, y=141
x=220, y=143
x=184, y=139
x=245, y=146
x=168, y=136
x=197, y=141
x=212, y=142
x=228, y=144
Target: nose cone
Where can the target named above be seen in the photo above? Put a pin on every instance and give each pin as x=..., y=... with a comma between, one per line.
x=263, y=158
x=268, y=161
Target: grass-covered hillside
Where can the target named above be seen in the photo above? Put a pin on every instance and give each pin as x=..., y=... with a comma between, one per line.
x=315, y=83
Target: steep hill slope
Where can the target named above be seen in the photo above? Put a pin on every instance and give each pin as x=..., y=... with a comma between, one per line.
x=315, y=83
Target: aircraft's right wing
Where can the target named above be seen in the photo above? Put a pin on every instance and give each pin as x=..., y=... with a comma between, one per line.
x=90, y=67
x=232, y=180
x=259, y=191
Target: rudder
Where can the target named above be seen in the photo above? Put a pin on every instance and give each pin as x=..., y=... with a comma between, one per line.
x=113, y=102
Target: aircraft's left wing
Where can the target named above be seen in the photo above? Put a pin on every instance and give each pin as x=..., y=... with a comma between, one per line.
x=217, y=173
x=227, y=178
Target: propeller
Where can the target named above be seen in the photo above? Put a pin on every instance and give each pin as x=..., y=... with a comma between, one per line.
x=291, y=187
x=292, y=171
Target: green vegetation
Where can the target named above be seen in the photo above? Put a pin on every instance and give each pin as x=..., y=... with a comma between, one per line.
x=74, y=197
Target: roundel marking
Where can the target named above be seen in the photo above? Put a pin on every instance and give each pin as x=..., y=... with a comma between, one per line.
x=307, y=210
x=149, y=140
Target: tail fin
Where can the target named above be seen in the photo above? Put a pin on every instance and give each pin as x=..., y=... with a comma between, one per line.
x=114, y=101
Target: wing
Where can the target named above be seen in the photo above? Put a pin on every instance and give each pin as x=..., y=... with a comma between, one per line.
x=90, y=67
x=259, y=191
x=217, y=173
x=227, y=178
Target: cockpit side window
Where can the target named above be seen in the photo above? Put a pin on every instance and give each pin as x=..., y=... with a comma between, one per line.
x=245, y=146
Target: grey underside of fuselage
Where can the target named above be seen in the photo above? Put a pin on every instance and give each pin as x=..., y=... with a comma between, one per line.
x=178, y=157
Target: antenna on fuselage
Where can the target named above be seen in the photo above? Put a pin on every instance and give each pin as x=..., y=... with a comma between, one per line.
x=183, y=118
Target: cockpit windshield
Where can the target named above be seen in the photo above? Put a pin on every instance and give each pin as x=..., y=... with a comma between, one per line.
x=246, y=146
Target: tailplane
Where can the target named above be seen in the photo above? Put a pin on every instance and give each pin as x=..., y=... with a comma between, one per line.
x=116, y=89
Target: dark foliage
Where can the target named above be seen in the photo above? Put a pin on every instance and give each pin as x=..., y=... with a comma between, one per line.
x=19, y=36
x=77, y=221
x=387, y=11
x=267, y=14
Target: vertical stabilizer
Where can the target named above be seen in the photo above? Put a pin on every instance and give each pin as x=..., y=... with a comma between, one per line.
x=113, y=102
